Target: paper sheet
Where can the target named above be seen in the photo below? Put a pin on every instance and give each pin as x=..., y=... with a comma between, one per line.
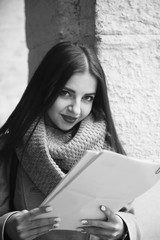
x=104, y=178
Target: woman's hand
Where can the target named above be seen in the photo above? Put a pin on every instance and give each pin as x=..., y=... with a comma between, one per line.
x=112, y=228
x=24, y=226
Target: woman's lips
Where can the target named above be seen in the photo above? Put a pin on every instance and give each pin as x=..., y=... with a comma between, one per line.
x=69, y=119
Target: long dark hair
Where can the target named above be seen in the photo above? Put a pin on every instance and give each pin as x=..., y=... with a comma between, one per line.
x=59, y=64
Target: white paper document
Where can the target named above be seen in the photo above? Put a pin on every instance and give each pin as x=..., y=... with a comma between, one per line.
x=100, y=178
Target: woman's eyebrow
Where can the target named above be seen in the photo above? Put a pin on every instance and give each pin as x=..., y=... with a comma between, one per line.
x=90, y=94
x=71, y=90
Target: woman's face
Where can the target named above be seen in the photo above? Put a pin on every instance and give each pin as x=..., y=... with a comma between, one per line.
x=74, y=102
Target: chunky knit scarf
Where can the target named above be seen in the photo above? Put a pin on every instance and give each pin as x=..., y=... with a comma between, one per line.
x=51, y=153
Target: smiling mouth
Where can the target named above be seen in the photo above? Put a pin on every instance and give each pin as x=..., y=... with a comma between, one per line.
x=69, y=119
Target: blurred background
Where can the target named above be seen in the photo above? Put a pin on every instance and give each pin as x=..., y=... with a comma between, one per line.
x=13, y=55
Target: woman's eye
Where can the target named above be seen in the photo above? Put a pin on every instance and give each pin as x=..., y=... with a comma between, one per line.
x=64, y=93
x=89, y=98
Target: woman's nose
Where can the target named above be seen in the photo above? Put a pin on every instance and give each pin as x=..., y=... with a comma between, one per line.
x=75, y=108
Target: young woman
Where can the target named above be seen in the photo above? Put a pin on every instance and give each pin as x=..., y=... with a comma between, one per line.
x=63, y=112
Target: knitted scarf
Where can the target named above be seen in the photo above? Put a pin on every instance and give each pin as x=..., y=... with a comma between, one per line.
x=51, y=153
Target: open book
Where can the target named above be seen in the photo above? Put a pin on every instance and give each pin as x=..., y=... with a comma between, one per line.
x=100, y=178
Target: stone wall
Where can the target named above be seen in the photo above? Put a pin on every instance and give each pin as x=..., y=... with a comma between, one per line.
x=129, y=48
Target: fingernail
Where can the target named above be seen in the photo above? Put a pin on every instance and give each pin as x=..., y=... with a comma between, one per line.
x=48, y=209
x=56, y=225
x=103, y=208
x=56, y=220
x=84, y=222
x=81, y=230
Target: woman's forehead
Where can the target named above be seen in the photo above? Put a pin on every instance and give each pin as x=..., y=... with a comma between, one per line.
x=83, y=82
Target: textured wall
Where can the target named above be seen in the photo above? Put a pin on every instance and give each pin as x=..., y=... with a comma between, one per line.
x=128, y=36
x=13, y=57
x=128, y=42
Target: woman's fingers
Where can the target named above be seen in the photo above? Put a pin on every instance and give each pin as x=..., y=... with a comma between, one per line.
x=109, y=215
x=37, y=231
x=101, y=229
x=101, y=232
x=111, y=227
x=97, y=224
x=30, y=225
x=30, y=215
x=26, y=224
x=38, y=223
